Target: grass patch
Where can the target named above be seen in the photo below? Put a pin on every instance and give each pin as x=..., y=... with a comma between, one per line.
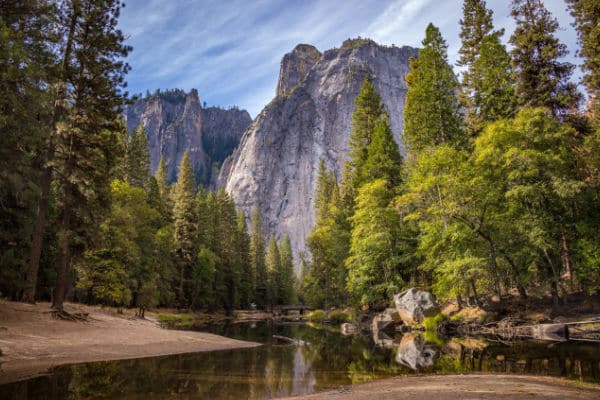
x=338, y=317
x=317, y=316
x=177, y=321
x=430, y=324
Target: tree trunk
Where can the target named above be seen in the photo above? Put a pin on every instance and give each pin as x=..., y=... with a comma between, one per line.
x=64, y=244
x=46, y=178
x=475, y=296
x=566, y=259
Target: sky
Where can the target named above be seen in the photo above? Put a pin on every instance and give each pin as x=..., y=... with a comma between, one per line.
x=230, y=50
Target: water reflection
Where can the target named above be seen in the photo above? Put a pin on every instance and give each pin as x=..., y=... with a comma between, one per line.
x=415, y=353
x=273, y=370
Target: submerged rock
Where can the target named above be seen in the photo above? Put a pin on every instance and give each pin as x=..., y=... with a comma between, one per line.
x=415, y=305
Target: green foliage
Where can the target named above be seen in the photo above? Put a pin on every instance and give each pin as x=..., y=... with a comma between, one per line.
x=374, y=261
x=587, y=23
x=317, y=316
x=257, y=258
x=431, y=323
x=431, y=110
x=541, y=79
x=184, y=217
x=337, y=317
x=136, y=160
x=476, y=26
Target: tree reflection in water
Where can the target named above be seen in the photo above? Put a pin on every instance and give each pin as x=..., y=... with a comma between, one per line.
x=273, y=370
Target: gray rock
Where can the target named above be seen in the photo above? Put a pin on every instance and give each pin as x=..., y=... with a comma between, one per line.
x=276, y=163
x=175, y=122
x=414, y=353
x=414, y=305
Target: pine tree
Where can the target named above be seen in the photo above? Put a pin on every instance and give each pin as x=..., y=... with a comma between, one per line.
x=476, y=26
x=161, y=179
x=273, y=262
x=184, y=218
x=383, y=157
x=368, y=108
x=541, y=79
x=587, y=23
x=287, y=293
x=242, y=247
x=493, y=81
x=374, y=261
x=86, y=126
x=324, y=278
x=26, y=65
x=431, y=111
x=257, y=258
x=227, y=274
x=136, y=162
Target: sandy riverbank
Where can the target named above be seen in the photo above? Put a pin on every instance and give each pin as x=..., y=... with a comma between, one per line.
x=462, y=387
x=32, y=341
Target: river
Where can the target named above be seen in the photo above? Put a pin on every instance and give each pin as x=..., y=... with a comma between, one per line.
x=326, y=360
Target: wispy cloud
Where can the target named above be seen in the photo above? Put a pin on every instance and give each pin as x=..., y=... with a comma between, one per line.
x=230, y=50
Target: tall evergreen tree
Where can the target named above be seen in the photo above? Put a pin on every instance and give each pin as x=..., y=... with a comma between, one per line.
x=273, y=262
x=431, y=111
x=242, y=248
x=184, y=219
x=286, y=291
x=136, y=162
x=368, y=108
x=257, y=258
x=373, y=264
x=475, y=25
x=542, y=80
x=85, y=125
x=494, y=96
x=587, y=23
x=383, y=157
x=27, y=38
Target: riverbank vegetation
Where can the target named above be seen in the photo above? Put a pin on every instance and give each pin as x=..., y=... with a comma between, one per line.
x=498, y=190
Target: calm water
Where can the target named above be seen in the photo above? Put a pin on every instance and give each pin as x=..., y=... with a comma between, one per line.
x=273, y=370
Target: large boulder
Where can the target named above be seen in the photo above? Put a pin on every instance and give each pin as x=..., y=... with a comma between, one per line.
x=386, y=320
x=414, y=353
x=414, y=305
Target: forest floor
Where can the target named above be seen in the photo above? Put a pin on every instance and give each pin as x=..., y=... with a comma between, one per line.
x=463, y=387
x=32, y=340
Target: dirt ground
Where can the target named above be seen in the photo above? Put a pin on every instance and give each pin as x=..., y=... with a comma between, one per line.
x=32, y=341
x=462, y=387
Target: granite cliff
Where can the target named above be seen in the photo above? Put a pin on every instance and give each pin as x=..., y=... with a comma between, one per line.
x=310, y=118
x=175, y=121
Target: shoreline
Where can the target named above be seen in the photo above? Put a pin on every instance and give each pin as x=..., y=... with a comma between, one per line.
x=32, y=341
x=476, y=386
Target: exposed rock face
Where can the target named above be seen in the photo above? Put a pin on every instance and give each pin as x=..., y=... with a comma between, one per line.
x=275, y=166
x=414, y=305
x=295, y=66
x=175, y=122
x=386, y=320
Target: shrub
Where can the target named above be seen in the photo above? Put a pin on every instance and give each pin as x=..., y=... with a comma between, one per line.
x=431, y=323
x=338, y=317
x=317, y=316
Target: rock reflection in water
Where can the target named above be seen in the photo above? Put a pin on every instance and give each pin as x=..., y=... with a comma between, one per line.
x=414, y=352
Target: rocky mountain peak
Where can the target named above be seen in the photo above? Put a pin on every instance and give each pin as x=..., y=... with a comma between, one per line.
x=275, y=166
x=295, y=65
x=175, y=122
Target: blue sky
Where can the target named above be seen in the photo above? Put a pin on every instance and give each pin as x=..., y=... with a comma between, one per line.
x=230, y=50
